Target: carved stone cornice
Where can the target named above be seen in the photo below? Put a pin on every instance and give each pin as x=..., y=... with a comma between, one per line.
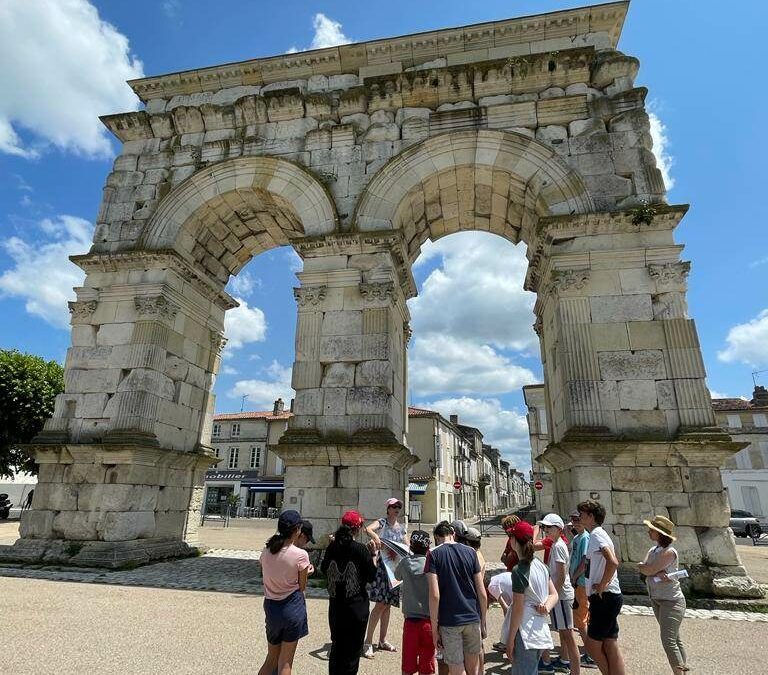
x=377, y=290
x=538, y=326
x=161, y=258
x=407, y=332
x=155, y=307
x=81, y=310
x=566, y=280
x=310, y=295
x=218, y=341
x=670, y=274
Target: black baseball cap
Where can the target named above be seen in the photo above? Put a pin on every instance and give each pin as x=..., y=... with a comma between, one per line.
x=287, y=521
x=306, y=530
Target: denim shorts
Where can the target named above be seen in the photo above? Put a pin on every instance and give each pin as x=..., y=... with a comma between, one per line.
x=286, y=619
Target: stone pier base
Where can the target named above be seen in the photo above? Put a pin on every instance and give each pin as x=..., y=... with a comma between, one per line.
x=111, y=505
x=323, y=480
x=636, y=480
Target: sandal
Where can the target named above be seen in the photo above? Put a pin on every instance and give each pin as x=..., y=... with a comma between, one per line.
x=386, y=647
x=500, y=647
x=368, y=651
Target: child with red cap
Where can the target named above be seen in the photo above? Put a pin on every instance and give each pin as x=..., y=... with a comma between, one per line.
x=348, y=567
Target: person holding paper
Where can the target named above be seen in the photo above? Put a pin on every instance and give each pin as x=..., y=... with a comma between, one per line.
x=661, y=578
x=381, y=591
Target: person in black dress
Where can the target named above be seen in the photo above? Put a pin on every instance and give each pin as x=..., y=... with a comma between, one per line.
x=348, y=567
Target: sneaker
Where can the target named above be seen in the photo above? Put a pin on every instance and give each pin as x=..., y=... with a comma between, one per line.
x=545, y=668
x=367, y=651
x=587, y=661
x=561, y=666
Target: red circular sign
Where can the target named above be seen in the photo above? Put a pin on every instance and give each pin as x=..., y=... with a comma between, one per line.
x=538, y=485
x=457, y=485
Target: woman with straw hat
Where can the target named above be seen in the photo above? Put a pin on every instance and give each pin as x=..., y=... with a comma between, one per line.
x=667, y=599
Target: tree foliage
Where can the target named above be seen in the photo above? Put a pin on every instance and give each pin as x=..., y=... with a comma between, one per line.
x=28, y=388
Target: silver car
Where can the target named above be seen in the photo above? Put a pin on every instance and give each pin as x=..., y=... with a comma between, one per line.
x=744, y=524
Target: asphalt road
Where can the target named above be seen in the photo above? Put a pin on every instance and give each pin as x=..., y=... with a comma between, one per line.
x=66, y=628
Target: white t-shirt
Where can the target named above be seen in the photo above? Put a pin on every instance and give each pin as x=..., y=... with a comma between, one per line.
x=501, y=585
x=598, y=540
x=559, y=554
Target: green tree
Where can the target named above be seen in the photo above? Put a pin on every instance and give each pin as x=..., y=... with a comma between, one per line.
x=28, y=388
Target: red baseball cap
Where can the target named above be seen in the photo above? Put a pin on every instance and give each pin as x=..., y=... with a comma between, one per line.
x=352, y=519
x=522, y=531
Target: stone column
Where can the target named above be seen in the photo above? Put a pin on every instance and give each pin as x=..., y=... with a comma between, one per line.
x=121, y=461
x=344, y=446
x=631, y=421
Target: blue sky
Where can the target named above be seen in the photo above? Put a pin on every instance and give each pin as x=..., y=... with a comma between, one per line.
x=63, y=63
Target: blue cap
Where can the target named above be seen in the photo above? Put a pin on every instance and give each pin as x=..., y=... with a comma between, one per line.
x=288, y=521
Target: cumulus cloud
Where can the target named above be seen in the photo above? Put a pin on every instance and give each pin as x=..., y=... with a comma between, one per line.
x=444, y=364
x=748, y=342
x=42, y=274
x=505, y=429
x=263, y=392
x=328, y=33
x=243, y=325
x=243, y=284
x=758, y=262
x=664, y=159
x=63, y=66
x=477, y=293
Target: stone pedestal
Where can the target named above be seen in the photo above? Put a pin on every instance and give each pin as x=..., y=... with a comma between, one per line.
x=636, y=480
x=323, y=480
x=111, y=506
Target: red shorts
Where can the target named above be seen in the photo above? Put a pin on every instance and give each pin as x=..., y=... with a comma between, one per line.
x=418, y=647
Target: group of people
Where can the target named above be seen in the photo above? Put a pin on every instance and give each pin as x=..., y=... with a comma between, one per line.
x=445, y=599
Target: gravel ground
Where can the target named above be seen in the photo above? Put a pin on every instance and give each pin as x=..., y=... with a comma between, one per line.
x=63, y=628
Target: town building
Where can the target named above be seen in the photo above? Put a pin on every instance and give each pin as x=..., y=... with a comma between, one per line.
x=745, y=475
x=249, y=475
x=538, y=433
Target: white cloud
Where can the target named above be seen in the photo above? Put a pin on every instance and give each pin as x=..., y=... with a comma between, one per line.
x=229, y=370
x=243, y=284
x=243, y=325
x=758, y=262
x=328, y=33
x=63, y=66
x=477, y=293
x=444, y=364
x=262, y=393
x=664, y=160
x=504, y=429
x=171, y=8
x=42, y=274
x=748, y=342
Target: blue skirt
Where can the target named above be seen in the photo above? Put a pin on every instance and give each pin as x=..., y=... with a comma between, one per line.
x=286, y=619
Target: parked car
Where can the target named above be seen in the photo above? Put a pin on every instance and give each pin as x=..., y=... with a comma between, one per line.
x=744, y=524
x=5, y=506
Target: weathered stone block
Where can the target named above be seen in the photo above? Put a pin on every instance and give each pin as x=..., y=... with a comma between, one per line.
x=36, y=524
x=367, y=401
x=637, y=395
x=615, y=308
x=624, y=365
x=670, y=499
x=374, y=374
x=707, y=509
x=702, y=479
x=334, y=401
x=347, y=322
x=338, y=375
x=341, y=348
x=309, y=402
x=718, y=546
x=124, y=526
x=646, y=478
x=342, y=496
x=75, y=525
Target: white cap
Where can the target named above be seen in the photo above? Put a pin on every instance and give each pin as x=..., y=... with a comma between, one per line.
x=552, y=519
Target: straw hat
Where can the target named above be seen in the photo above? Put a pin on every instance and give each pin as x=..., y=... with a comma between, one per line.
x=662, y=525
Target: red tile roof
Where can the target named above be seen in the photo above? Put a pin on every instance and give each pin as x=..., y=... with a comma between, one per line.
x=731, y=404
x=420, y=412
x=253, y=415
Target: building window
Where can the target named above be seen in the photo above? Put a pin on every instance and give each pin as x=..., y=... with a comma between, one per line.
x=217, y=452
x=216, y=430
x=742, y=459
x=734, y=421
x=236, y=429
x=751, y=500
x=255, y=457
x=234, y=454
x=760, y=420
x=764, y=453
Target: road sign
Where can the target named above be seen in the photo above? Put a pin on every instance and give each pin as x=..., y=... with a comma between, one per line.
x=457, y=485
x=538, y=485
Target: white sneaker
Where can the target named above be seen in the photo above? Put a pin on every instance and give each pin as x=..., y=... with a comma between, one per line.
x=368, y=651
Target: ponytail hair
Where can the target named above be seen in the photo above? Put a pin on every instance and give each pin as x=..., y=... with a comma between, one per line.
x=277, y=541
x=345, y=534
x=524, y=548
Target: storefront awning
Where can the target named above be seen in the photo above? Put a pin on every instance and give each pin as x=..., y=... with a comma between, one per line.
x=265, y=486
x=417, y=488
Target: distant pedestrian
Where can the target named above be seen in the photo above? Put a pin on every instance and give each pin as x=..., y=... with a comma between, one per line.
x=562, y=613
x=348, y=567
x=666, y=595
x=381, y=591
x=603, y=590
x=28, y=501
x=284, y=568
x=578, y=571
x=534, y=596
x=418, y=647
x=457, y=601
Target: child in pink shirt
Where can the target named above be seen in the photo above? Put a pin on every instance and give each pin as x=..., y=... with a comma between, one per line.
x=284, y=568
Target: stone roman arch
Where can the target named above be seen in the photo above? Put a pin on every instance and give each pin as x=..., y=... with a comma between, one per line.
x=529, y=128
